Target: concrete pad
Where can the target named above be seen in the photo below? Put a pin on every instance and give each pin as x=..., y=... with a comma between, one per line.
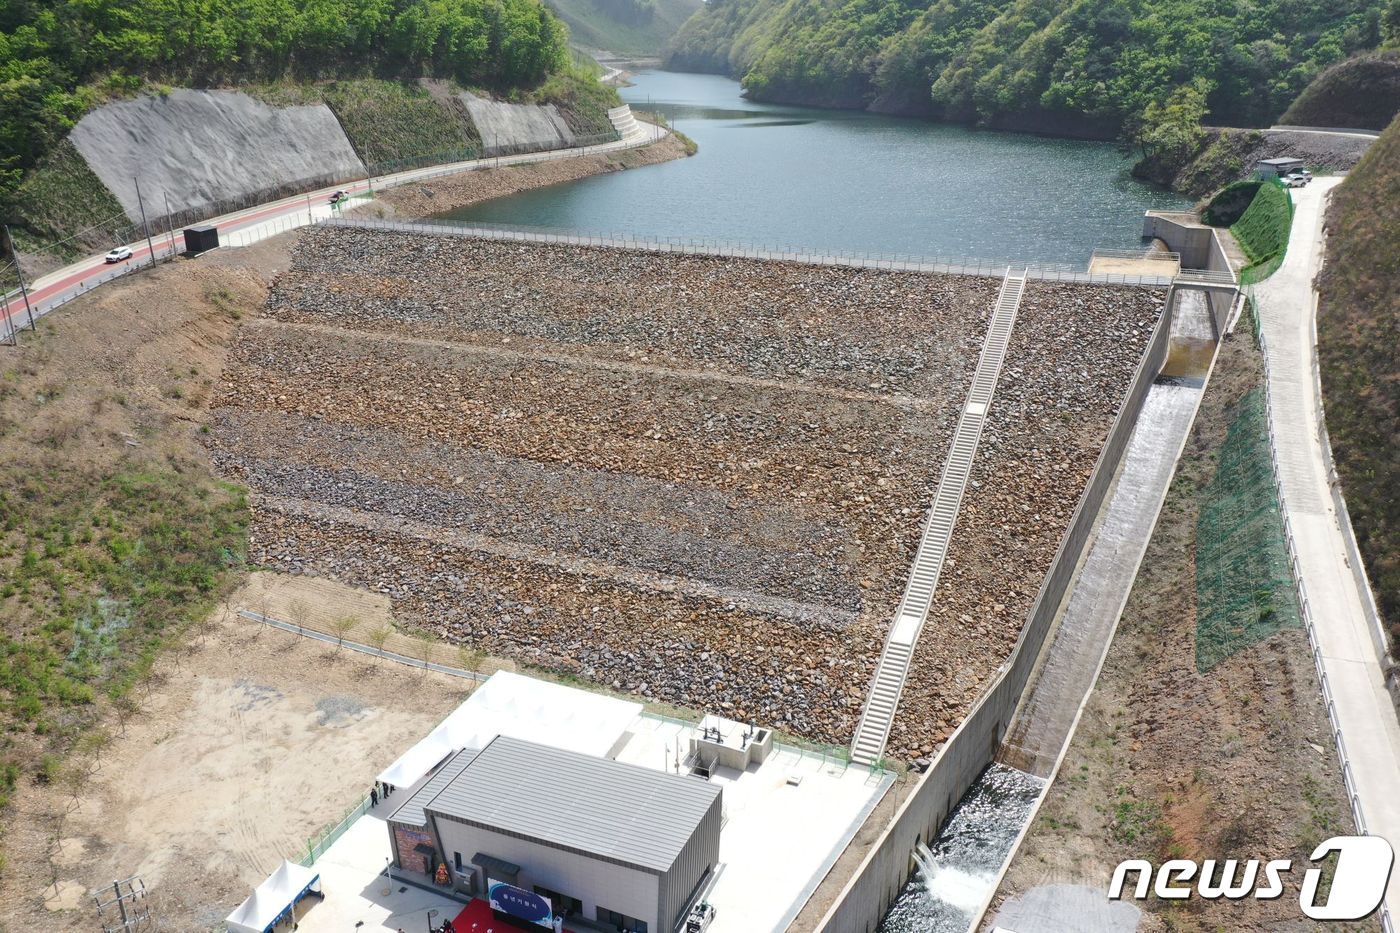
x=779, y=838
x=358, y=895
x=1110, y=265
x=1066, y=908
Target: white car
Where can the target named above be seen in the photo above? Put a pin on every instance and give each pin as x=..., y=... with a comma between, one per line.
x=1293, y=181
x=118, y=254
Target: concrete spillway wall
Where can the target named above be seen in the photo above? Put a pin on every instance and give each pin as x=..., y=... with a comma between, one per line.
x=509, y=128
x=886, y=868
x=211, y=149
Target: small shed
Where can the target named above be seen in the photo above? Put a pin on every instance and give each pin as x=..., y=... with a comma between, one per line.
x=201, y=239
x=1276, y=168
x=274, y=899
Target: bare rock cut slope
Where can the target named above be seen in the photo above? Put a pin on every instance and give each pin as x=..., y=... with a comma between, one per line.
x=204, y=148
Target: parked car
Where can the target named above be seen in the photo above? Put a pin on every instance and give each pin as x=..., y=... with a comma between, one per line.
x=118, y=254
x=1293, y=181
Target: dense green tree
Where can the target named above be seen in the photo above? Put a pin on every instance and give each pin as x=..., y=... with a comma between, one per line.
x=1094, y=65
x=58, y=58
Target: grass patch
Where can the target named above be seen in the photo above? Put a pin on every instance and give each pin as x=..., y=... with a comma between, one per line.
x=61, y=197
x=1262, y=230
x=580, y=98
x=101, y=572
x=1227, y=207
x=1244, y=587
x=390, y=124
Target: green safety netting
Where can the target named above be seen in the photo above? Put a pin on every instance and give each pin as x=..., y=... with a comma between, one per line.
x=1244, y=585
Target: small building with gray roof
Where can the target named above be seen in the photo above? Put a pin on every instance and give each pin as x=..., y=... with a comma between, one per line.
x=618, y=845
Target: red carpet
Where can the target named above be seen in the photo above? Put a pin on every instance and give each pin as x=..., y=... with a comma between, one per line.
x=476, y=918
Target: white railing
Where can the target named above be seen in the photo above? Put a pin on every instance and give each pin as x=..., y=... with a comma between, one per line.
x=707, y=246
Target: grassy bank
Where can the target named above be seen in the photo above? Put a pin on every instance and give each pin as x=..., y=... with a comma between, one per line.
x=1361, y=93
x=1358, y=318
x=115, y=537
x=387, y=122
x=1262, y=230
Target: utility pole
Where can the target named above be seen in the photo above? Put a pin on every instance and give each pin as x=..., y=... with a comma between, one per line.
x=14, y=335
x=19, y=274
x=169, y=221
x=309, y=218
x=145, y=227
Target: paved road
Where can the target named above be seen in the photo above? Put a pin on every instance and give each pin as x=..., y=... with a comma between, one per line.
x=268, y=219
x=1363, y=709
x=1323, y=131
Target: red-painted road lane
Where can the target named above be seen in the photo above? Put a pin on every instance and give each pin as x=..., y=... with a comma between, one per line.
x=53, y=288
x=75, y=275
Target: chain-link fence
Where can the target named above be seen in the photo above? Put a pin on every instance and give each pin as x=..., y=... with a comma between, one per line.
x=707, y=246
x=316, y=846
x=1244, y=586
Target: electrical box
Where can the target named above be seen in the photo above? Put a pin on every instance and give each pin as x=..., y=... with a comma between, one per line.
x=201, y=239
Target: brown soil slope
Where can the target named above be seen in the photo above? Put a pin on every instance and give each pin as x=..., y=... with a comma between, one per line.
x=1168, y=762
x=1358, y=324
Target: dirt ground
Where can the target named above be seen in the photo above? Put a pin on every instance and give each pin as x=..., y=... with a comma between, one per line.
x=450, y=192
x=252, y=741
x=1167, y=762
x=228, y=732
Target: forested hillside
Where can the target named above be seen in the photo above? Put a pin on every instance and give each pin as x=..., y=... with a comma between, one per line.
x=624, y=27
x=1088, y=67
x=1359, y=93
x=59, y=58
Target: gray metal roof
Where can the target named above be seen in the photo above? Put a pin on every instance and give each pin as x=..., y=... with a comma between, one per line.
x=623, y=812
x=411, y=812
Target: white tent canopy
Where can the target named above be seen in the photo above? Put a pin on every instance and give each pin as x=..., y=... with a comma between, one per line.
x=273, y=898
x=522, y=708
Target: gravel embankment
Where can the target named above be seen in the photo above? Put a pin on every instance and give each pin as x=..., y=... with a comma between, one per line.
x=450, y=192
x=1072, y=356
x=697, y=479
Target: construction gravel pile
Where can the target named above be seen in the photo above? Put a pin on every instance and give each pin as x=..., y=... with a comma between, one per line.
x=700, y=480
x=899, y=334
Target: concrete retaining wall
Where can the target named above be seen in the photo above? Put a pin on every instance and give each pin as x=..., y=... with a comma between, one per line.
x=509, y=128
x=1200, y=248
x=208, y=149
x=888, y=866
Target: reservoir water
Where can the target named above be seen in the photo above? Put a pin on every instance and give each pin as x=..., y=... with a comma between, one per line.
x=842, y=180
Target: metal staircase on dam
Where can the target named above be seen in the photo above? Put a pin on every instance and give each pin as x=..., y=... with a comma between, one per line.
x=893, y=669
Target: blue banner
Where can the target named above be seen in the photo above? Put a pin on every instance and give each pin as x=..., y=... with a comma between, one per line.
x=526, y=905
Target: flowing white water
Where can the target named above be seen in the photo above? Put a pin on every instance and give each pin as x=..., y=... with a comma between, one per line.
x=957, y=872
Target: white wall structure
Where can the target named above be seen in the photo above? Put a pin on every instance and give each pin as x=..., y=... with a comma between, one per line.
x=207, y=148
